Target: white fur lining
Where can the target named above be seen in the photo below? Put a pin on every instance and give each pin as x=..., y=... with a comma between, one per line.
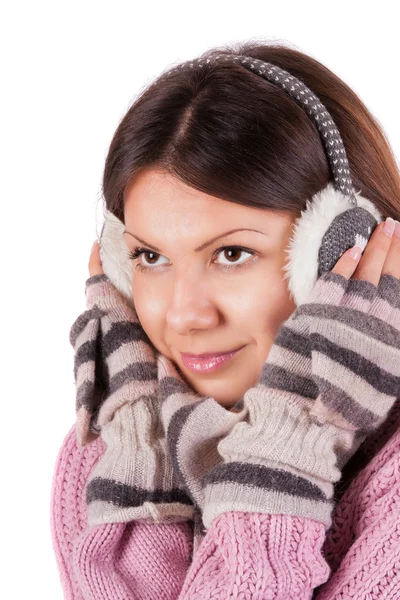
x=302, y=263
x=114, y=256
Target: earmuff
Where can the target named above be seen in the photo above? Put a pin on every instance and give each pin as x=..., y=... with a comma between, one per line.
x=335, y=219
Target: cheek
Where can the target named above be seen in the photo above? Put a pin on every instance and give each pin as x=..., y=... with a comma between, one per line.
x=267, y=305
x=149, y=309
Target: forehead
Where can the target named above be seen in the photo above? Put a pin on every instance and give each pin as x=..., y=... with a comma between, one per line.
x=164, y=201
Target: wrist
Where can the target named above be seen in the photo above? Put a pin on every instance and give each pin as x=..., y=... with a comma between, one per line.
x=231, y=496
x=134, y=479
x=278, y=461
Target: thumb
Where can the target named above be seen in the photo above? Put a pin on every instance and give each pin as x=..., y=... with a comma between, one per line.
x=95, y=266
x=347, y=263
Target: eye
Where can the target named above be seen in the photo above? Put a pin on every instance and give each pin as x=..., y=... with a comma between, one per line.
x=232, y=251
x=137, y=253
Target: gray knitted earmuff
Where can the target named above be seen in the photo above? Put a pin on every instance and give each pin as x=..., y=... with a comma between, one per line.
x=336, y=218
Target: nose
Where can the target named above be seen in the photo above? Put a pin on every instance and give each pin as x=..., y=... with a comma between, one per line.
x=191, y=305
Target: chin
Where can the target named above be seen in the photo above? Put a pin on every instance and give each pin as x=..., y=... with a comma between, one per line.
x=218, y=388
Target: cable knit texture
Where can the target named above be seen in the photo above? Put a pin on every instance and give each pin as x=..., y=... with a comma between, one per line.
x=141, y=561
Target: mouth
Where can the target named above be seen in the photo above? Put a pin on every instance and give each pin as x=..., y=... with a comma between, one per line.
x=201, y=363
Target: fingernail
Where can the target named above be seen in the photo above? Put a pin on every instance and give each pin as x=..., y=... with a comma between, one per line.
x=388, y=227
x=355, y=252
x=397, y=229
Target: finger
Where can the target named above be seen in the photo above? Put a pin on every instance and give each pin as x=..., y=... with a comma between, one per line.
x=347, y=263
x=391, y=265
x=371, y=264
x=95, y=266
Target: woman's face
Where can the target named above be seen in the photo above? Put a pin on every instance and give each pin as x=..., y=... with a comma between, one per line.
x=195, y=299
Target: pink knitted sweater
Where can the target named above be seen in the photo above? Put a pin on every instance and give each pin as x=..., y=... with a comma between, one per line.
x=253, y=556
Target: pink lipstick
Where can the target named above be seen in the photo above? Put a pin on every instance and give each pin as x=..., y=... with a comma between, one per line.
x=209, y=363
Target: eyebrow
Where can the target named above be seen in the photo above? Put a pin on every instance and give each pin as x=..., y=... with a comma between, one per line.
x=199, y=248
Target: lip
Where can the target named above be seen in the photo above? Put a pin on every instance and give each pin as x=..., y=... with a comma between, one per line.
x=209, y=354
x=207, y=363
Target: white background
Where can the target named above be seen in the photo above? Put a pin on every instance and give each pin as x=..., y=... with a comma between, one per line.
x=69, y=71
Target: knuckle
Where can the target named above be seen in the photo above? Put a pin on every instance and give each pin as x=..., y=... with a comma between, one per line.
x=339, y=268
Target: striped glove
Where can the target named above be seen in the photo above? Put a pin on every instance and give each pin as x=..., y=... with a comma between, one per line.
x=115, y=370
x=331, y=377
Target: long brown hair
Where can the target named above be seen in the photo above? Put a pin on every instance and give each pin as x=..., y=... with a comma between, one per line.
x=230, y=133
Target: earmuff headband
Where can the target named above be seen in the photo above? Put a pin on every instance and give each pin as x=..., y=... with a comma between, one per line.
x=329, y=133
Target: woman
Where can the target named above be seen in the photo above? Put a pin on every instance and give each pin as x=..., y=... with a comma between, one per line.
x=209, y=160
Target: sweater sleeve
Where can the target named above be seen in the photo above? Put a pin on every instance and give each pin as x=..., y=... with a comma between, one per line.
x=258, y=556
x=112, y=561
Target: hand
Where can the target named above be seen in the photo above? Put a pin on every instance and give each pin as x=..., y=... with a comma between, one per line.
x=366, y=303
x=381, y=256
x=96, y=337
